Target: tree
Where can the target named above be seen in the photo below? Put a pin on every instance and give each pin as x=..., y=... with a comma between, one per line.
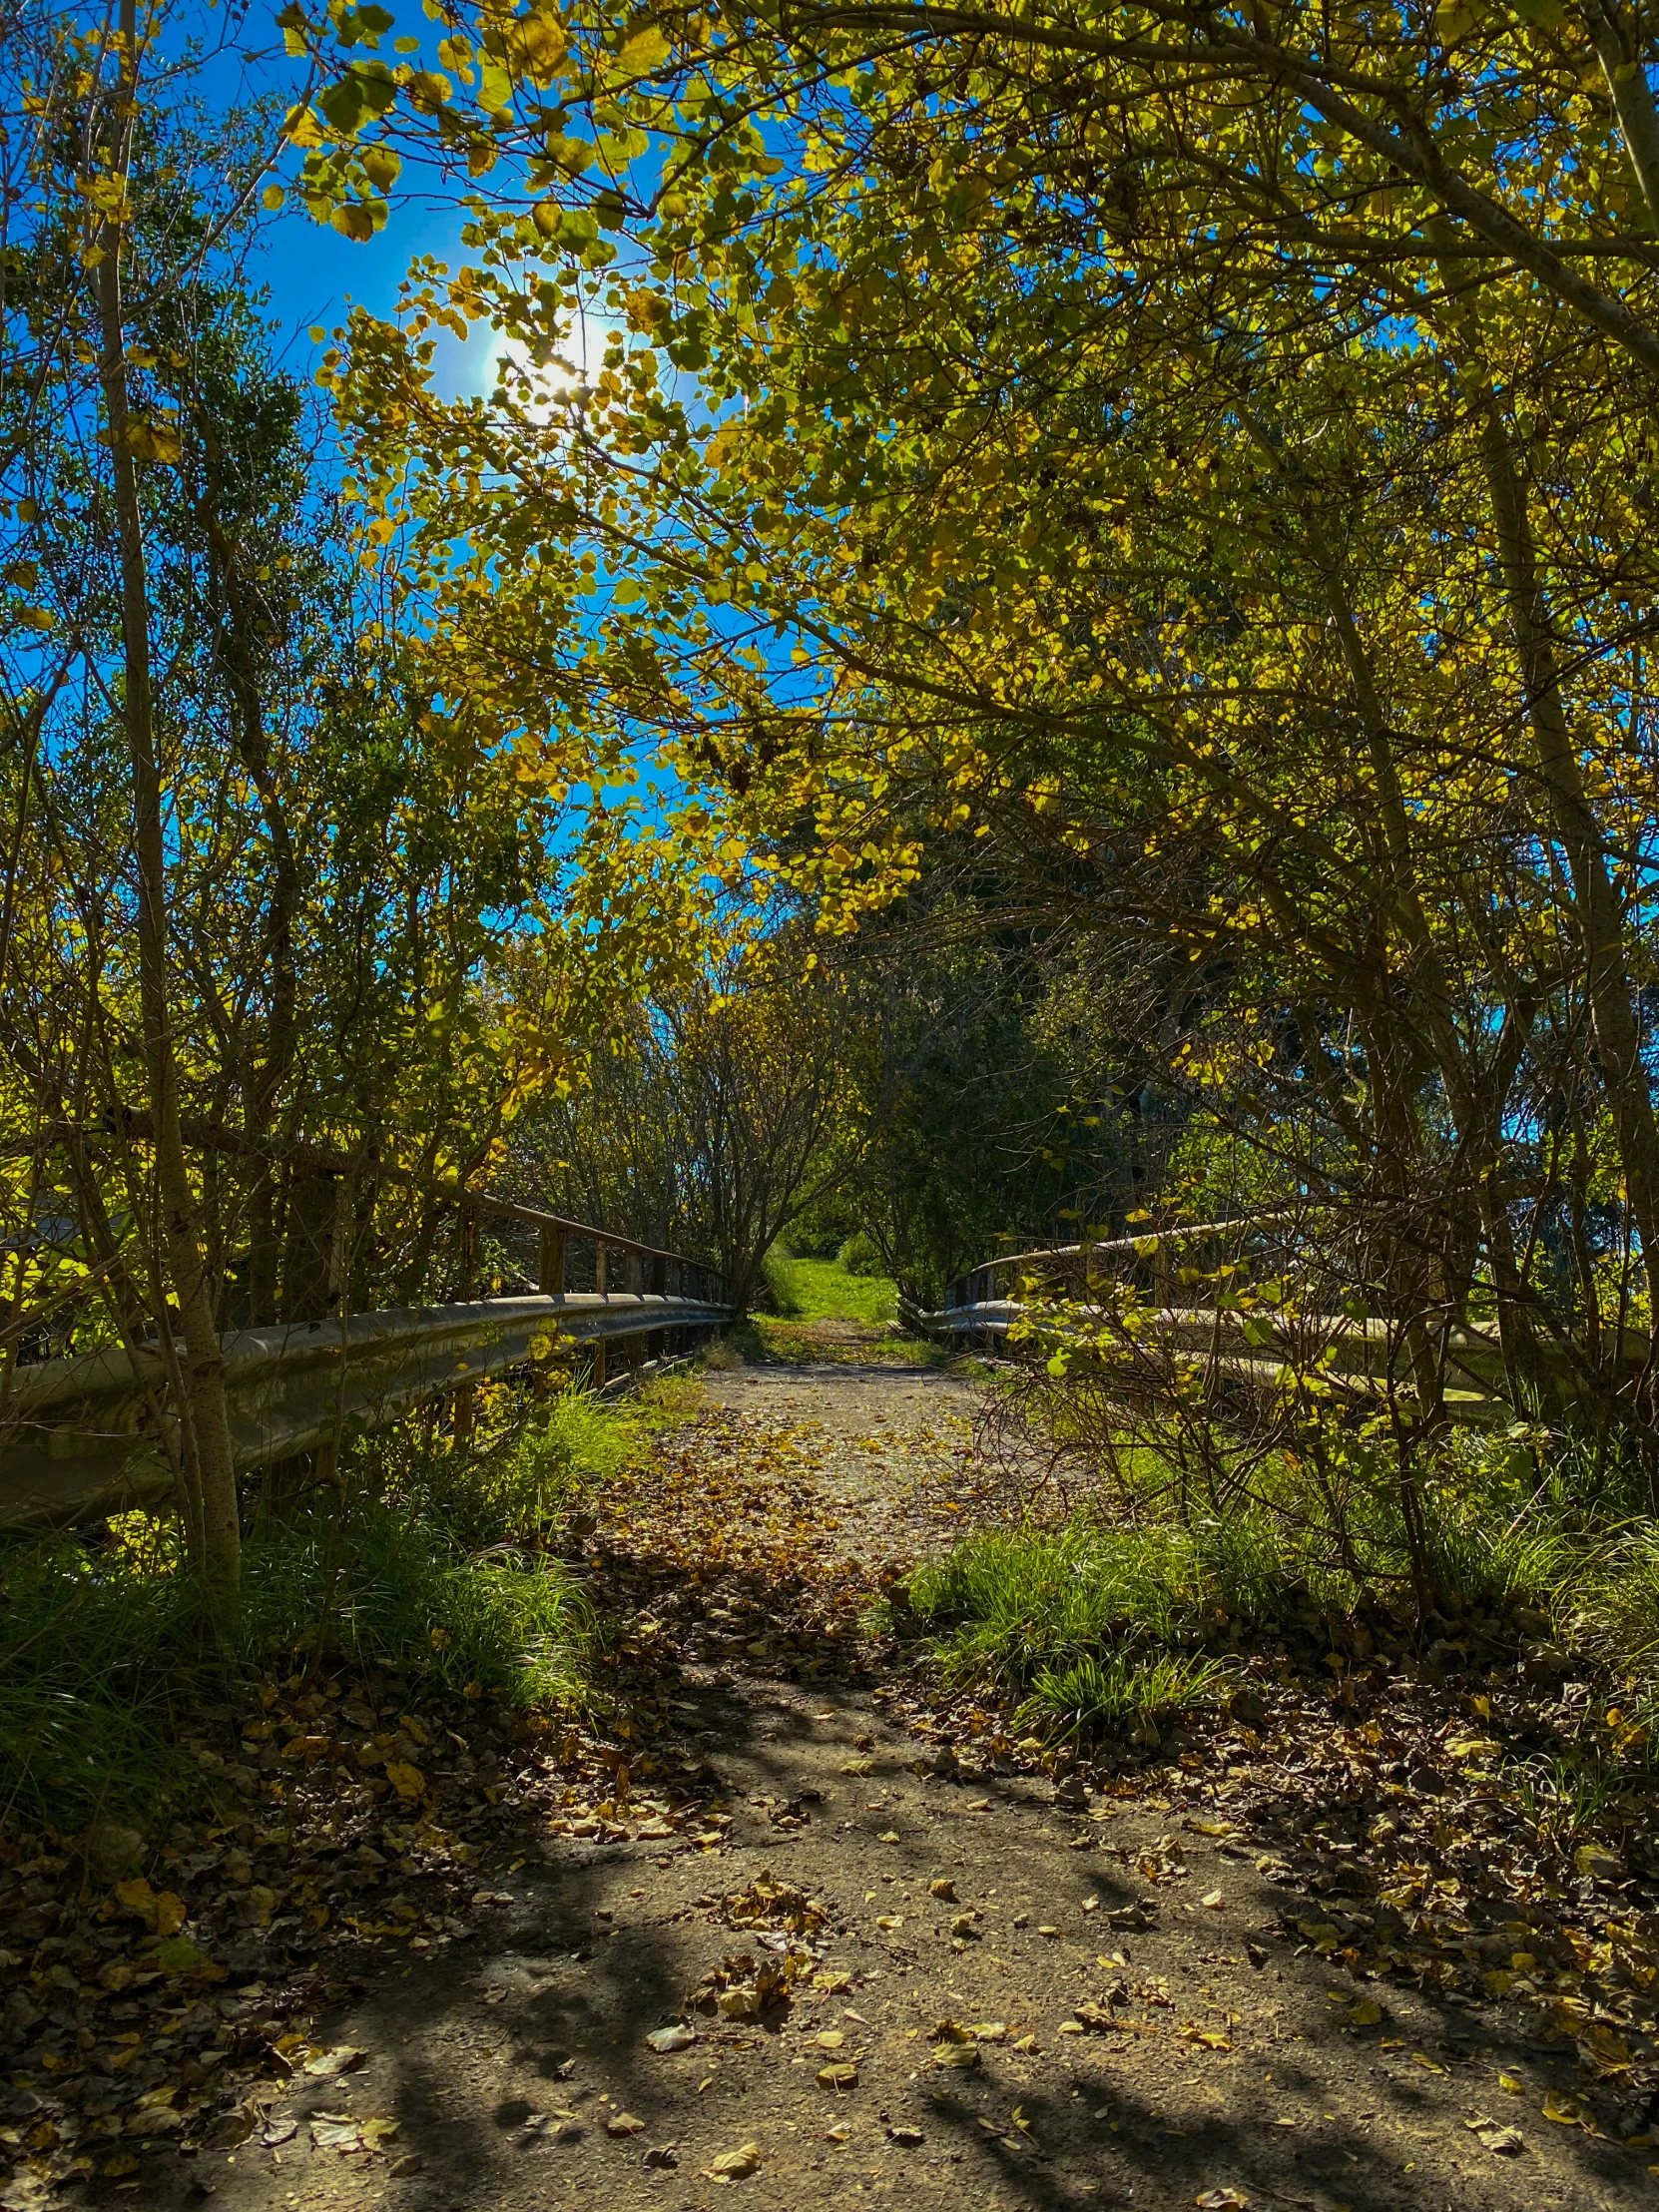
x=725, y=1108
x=1096, y=450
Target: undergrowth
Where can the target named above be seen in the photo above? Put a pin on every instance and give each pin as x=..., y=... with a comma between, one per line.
x=428, y=1562
x=1127, y=1608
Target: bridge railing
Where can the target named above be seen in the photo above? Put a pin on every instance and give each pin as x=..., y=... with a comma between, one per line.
x=89, y=1434
x=1357, y=1358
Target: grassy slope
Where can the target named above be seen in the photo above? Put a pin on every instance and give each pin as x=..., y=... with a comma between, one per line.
x=821, y=1290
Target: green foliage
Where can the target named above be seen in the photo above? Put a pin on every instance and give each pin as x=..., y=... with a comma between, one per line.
x=1008, y=1606
x=527, y=1481
x=861, y=1255
x=780, y=1272
x=1117, y=1692
x=825, y=1290
x=438, y=1569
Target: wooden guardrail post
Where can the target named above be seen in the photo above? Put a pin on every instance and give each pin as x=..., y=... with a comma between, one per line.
x=309, y=1253
x=468, y=1226
x=601, y=1284
x=550, y=1260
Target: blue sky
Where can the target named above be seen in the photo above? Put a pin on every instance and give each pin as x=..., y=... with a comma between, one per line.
x=312, y=273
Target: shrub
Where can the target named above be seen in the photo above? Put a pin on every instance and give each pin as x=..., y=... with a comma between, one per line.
x=782, y=1275
x=861, y=1255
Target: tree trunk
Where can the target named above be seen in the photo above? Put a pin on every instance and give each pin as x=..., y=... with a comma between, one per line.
x=207, y=1452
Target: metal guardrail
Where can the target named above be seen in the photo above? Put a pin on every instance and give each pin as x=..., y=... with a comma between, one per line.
x=1359, y=1357
x=91, y=1435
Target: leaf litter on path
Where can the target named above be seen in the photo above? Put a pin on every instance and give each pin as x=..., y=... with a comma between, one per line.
x=734, y=1537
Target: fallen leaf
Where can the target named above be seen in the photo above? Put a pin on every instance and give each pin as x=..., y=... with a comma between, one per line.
x=1430, y=2066
x=1222, y=2200
x=155, y=2119
x=739, y=2164
x=1593, y=1860
x=1567, y=2110
x=1211, y=2038
x=343, y=2059
x=337, y=2131
x=1365, y=2013
x=408, y=1781
x=944, y=1888
x=1602, y=2048
x=842, y=2076
x=830, y=2039
x=1213, y=1901
x=677, y=2037
x=624, y=2123
x=1504, y=2142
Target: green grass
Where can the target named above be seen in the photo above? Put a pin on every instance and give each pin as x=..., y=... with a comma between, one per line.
x=445, y=1567
x=1119, y=1693
x=1079, y=1622
x=1104, y=1621
x=823, y=1290
x=1007, y=1605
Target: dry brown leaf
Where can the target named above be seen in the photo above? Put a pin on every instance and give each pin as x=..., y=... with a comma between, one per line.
x=1503, y=2142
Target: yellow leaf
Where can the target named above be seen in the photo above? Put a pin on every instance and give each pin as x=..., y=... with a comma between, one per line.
x=1565, y=2109
x=1603, y=2048
x=408, y=1781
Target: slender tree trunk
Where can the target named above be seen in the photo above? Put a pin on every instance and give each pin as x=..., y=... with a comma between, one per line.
x=207, y=1440
x=1595, y=908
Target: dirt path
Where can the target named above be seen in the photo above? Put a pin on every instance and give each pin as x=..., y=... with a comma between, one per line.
x=894, y=1969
